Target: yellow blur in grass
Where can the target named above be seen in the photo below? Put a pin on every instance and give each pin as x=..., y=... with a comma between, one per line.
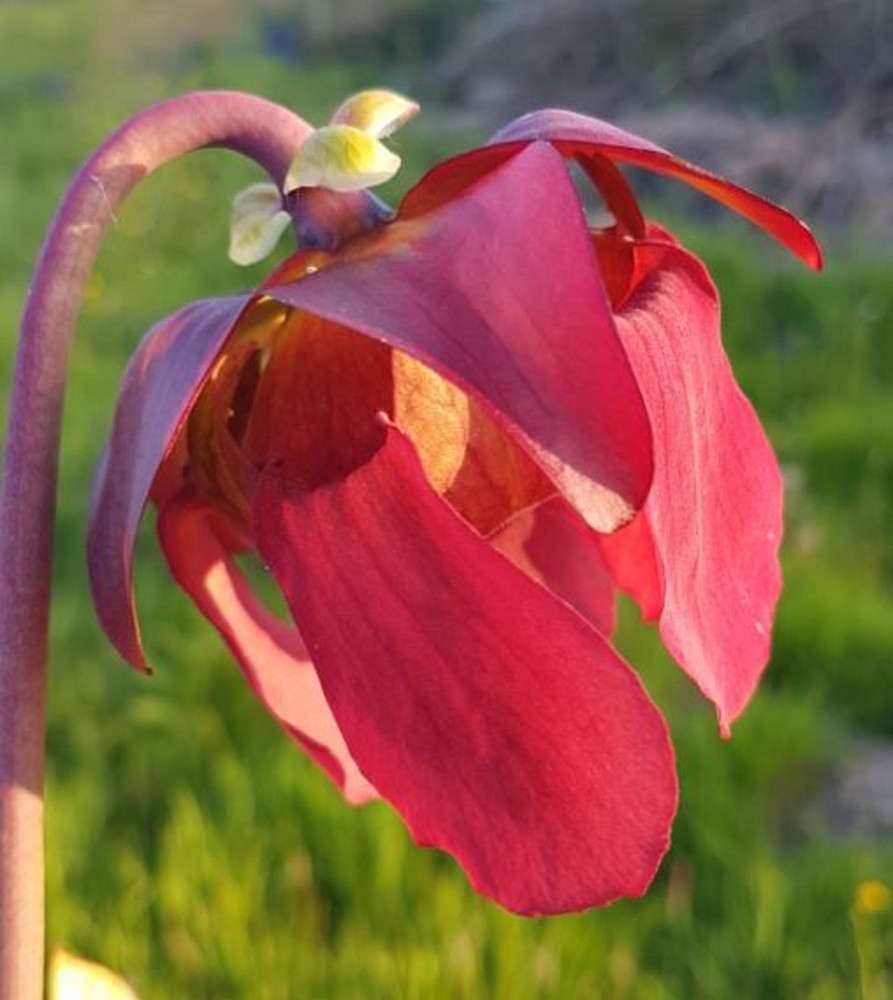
x=872, y=896
x=73, y=978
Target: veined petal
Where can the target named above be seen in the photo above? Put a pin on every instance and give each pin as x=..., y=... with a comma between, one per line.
x=714, y=511
x=270, y=652
x=499, y=291
x=579, y=135
x=501, y=726
x=161, y=381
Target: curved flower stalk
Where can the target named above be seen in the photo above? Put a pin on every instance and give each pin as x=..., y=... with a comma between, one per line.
x=255, y=128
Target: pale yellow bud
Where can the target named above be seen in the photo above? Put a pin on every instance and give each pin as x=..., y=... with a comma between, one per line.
x=872, y=896
x=378, y=113
x=341, y=158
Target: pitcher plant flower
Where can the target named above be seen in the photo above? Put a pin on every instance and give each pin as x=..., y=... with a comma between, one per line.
x=452, y=432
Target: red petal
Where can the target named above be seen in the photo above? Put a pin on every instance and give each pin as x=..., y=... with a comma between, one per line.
x=578, y=135
x=615, y=190
x=162, y=379
x=554, y=547
x=630, y=555
x=715, y=507
x=271, y=653
x=500, y=725
x=499, y=291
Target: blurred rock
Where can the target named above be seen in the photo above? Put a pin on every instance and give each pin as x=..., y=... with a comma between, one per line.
x=833, y=172
x=858, y=800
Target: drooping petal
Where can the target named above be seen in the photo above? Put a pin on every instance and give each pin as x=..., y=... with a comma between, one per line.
x=162, y=379
x=498, y=290
x=271, y=653
x=554, y=547
x=714, y=511
x=502, y=727
x=581, y=136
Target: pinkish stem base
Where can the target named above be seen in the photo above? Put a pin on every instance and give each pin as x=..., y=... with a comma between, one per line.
x=268, y=134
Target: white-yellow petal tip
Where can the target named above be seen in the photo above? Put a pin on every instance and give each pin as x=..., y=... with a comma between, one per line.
x=257, y=222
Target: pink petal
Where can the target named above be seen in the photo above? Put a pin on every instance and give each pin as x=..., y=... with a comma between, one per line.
x=578, y=135
x=553, y=546
x=271, y=653
x=499, y=291
x=162, y=379
x=715, y=507
x=498, y=723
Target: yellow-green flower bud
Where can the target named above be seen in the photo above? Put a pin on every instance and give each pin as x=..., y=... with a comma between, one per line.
x=341, y=158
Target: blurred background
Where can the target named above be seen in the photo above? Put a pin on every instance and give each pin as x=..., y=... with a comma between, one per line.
x=190, y=846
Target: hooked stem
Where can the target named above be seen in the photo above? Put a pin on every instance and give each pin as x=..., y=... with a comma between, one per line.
x=268, y=134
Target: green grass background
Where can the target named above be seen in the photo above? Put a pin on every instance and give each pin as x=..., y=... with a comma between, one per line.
x=193, y=850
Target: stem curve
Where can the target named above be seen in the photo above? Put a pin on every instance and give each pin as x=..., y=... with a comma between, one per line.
x=258, y=129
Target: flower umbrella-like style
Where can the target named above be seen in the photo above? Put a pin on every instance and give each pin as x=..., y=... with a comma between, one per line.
x=449, y=435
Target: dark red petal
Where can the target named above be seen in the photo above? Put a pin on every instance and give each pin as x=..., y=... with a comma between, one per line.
x=163, y=377
x=578, y=135
x=615, y=191
x=270, y=652
x=554, y=547
x=317, y=401
x=715, y=508
x=450, y=178
x=499, y=291
x=501, y=726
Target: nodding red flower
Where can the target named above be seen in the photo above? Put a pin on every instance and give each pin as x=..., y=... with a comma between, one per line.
x=450, y=433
